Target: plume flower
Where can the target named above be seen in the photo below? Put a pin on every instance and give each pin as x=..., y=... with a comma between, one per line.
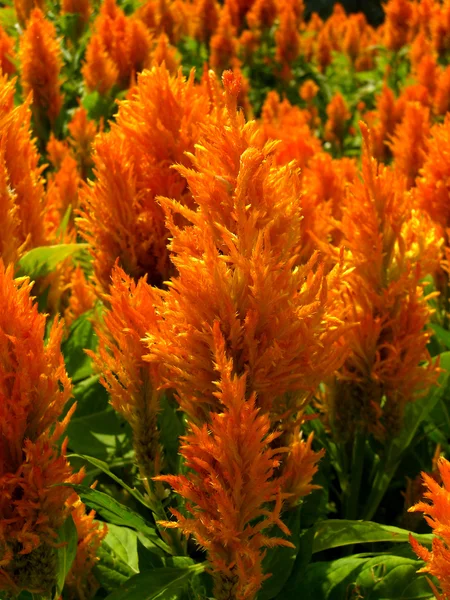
x=206, y=20
x=41, y=59
x=287, y=39
x=7, y=53
x=391, y=246
x=233, y=496
x=436, y=511
x=21, y=175
x=131, y=382
x=82, y=296
x=409, y=142
x=237, y=264
x=81, y=8
x=121, y=219
x=82, y=133
x=25, y=7
x=99, y=71
x=337, y=122
x=163, y=52
x=396, y=28
x=224, y=44
x=34, y=388
x=262, y=14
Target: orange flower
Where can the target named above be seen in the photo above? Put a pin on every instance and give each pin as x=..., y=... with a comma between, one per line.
x=57, y=150
x=82, y=132
x=7, y=53
x=398, y=14
x=131, y=382
x=206, y=20
x=287, y=39
x=10, y=246
x=119, y=48
x=338, y=117
x=163, y=52
x=82, y=297
x=62, y=193
x=34, y=389
x=80, y=582
x=232, y=494
x=308, y=91
x=20, y=164
x=428, y=73
x=223, y=44
x=236, y=266
x=442, y=95
x=409, y=141
x=323, y=50
x=99, y=71
x=121, y=218
x=24, y=8
x=41, y=60
x=436, y=511
x=262, y=14
x=391, y=247
x=440, y=28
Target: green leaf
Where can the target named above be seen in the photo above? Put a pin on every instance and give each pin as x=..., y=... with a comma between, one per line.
x=334, y=533
x=43, y=260
x=279, y=561
x=442, y=334
x=381, y=577
x=102, y=433
x=164, y=584
x=111, y=571
x=102, y=466
x=66, y=552
x=123, y=541
x=81, y=336
x=171, y=427
x=292, y=586
x=118, y=514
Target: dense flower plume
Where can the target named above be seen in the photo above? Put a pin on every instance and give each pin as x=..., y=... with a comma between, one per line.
x=235, y=218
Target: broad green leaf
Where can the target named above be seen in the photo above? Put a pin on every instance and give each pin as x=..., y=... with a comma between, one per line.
x=290, y=590
x=123, y=541
x=43, y=260
x=81, y=337
x=102, y=466
x=334, y=533
x=118, y=514
x=279, y=561
x=91, y=396
x=103, y=434
x=164, y=584
x=111, y=571
x=66, y=552
x=381, y=577
x=442, y=334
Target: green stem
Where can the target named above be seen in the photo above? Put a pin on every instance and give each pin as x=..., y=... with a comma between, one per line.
x=357, y=466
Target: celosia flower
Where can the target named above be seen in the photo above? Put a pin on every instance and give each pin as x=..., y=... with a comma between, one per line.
x=409, y=141
x=223, y=44
x=154, y=129
x=398, y=15
x=23, y=173
x=308, y=90
x=238, y=264
x=323, y=50
x=10, y=246
x=205, y=20
x=427, y=73
x=81, y=583
x=287, y=40
x=232, y=494
x=41, y=59
x=118, y=48
x=82, y=133
x=131, y=382
x=99, y=71
x=337, y=122
x=7, y=53
x=442, y=95
x=440, y=27
x=24, y=8
x=57, y=150
x=391, y=248
x=34, y=388
x=82, y=296
x=262, y=14
x=163, y=52
x=436, y=511
x=62, y=194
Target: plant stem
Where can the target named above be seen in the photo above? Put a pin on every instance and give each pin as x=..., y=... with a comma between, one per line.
x=357, y=465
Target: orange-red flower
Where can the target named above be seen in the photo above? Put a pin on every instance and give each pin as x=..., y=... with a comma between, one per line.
x=34, y=388
x=232, y=493
x=82, y=296
x=7, y=53
x=82, y=133
x=24, y=8
x=436, y=510
x=131, y=382
x=121, y=219
x=205, y=20
x=40, y=55
x=338, y=118
x=287, y=40
x=224, y=44
x=21, y=175
x=399, y=14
